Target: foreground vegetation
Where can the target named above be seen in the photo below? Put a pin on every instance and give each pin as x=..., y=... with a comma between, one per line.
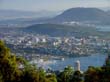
x=16, y=69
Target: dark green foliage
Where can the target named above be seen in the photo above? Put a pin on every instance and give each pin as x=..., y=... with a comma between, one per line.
x=8, y=65
x=69, y=75
x=91, y=73
x=66, y=75
x=10, y=71
x=77, y=77
x=98, y=74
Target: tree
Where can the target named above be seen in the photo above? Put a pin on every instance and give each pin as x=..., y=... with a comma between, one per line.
x=8, y=65
x=51, y=78
x=66, y=75
x=77, y=77
x=10, y=70
x=93, y=75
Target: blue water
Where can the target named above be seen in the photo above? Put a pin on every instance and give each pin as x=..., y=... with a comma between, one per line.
x=105, y=28
x=94, y=60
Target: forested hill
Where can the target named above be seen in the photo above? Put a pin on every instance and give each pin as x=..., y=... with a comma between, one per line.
x=60, y=30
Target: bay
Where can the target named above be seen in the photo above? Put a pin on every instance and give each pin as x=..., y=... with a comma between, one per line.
x=105, y=28
x=96, y=60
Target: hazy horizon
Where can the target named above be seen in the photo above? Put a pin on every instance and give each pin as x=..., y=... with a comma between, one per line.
x=50, y=5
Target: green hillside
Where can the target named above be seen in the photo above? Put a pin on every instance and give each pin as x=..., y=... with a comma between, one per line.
x=61, y=30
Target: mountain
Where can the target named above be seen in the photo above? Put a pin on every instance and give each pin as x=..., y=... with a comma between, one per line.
x=14, y=14
x=108, y=12
x=11, y=14
x=81, y=15
x=91, y=15
x=60, y=30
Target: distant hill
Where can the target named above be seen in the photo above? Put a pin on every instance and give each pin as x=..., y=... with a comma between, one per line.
x=13, y=14
x=60, y=30
x=108, y=12
x=83, y=15
x=92, y=15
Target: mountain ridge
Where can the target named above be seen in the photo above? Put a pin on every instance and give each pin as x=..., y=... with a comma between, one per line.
x=83, y=14
x=13, y=14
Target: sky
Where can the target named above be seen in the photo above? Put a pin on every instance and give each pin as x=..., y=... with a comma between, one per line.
x=51, y=5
